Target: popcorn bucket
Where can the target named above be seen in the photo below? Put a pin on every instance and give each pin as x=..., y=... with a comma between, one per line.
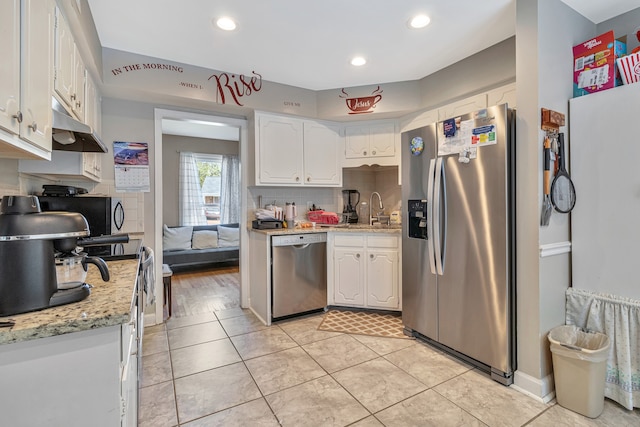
x=629, y=67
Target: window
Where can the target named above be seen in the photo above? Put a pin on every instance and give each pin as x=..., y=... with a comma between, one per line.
x=209, y=174
x=209, y=189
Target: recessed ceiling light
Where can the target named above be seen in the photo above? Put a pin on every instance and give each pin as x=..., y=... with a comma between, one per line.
x=419, y=21
x=358, y=61
x=226, y=23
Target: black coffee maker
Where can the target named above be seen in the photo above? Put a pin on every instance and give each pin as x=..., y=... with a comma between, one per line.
x=351, y=198
x=28, y=242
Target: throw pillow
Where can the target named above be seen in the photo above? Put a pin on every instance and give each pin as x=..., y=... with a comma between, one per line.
x=204, y=239
x=176, y=238
x=228, y=236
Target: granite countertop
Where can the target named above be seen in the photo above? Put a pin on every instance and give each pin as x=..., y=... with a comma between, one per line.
x=109, y=304
x=339, y=228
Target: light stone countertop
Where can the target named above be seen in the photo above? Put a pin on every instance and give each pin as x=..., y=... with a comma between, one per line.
x=109, y=304
x=350, y=228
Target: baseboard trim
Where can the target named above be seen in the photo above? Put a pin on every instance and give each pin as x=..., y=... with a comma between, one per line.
x=541, y=390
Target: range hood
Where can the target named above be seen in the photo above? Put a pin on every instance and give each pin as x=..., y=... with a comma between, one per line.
x=70, y=134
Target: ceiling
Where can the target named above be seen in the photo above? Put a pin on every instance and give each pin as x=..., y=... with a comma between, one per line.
x=310, y=44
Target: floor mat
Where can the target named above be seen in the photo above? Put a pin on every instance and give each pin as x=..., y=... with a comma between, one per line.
x=363, y=323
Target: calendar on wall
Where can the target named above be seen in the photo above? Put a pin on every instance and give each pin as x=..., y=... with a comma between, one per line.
x=131, y=162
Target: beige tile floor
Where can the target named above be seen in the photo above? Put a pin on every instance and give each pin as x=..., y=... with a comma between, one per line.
x=225, y=368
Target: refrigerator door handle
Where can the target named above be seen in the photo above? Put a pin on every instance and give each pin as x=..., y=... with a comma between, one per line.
x=440, y=205
x=430, y=199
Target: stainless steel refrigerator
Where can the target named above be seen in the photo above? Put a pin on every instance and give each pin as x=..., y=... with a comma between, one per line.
x=458, y=243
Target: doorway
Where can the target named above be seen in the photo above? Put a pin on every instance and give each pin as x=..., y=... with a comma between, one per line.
x=214, y=127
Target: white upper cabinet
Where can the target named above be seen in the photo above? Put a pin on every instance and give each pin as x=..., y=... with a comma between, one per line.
x=503, y=95
x=10, y=69
x=64, y=60
x=279, y=150
x=37, y=59
x=69, y=81
x=292, y=151
x=25, y=114
x=322, y=144
x=93, y=109
x=65, y=165
x=462, y=107
x=368, y=143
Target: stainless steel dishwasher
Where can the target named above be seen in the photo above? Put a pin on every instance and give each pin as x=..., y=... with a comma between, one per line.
x=298, y=274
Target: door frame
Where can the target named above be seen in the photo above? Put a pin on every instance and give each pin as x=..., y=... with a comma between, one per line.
x=242, y=125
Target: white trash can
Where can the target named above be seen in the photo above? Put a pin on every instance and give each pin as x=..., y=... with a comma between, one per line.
x=579, y=368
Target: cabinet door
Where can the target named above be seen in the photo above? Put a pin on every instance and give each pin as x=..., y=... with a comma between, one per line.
x=348, y=265
x=382, y=278
x=36, y=73
x=77, y=98
x=322, y=145
x=382, y=141
x=64, y=60
x=503, y=95
x=10, y=69
x=92, y=105
x=91, y=166
x=356, y=140
x=279, y=143
x=464, y=106
x=129, y=373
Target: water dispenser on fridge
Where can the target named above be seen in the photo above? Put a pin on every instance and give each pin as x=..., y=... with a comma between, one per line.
x=417, y=219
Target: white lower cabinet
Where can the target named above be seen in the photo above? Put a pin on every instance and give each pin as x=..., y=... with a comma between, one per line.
x=364, y=270
x=73, y=379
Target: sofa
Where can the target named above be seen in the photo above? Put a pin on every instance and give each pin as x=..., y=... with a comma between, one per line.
x=191, y=247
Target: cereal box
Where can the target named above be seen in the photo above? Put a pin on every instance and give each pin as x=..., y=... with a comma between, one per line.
x=594, y=64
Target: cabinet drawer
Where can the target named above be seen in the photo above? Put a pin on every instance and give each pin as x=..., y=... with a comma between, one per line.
x=382, y=241
x=349, y=240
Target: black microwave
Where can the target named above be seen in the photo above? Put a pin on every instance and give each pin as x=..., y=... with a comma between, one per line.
x=105, y=215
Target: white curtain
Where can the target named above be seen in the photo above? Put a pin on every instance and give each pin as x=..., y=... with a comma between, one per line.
x=619, y=319
x=191, y=201
x=230, y=190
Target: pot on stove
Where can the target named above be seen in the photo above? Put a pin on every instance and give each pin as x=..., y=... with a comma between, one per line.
x=71, y=269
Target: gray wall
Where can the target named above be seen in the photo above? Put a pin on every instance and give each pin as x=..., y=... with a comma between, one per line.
x=131, y=122
x=490, y=68
x=623, y=25
x=171, y=147
x=545, y=32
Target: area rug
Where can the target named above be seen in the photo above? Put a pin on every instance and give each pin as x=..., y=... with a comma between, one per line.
x=363, y=323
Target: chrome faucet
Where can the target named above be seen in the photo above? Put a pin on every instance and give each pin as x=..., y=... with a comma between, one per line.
x=381, y=206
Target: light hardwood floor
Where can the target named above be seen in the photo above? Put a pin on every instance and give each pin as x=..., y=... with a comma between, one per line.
x=202, y=291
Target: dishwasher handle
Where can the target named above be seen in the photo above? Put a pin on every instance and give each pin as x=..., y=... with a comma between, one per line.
x=302, y=246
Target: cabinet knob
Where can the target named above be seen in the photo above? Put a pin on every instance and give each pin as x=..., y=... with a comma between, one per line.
x=364, y=153
x=308, y=179
x=73, y=97
x=371, y=256
x=78, y=104
x=18, y=116
x=357, y=255
x=33, y=126
x=373, y=153
x=297, y=178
